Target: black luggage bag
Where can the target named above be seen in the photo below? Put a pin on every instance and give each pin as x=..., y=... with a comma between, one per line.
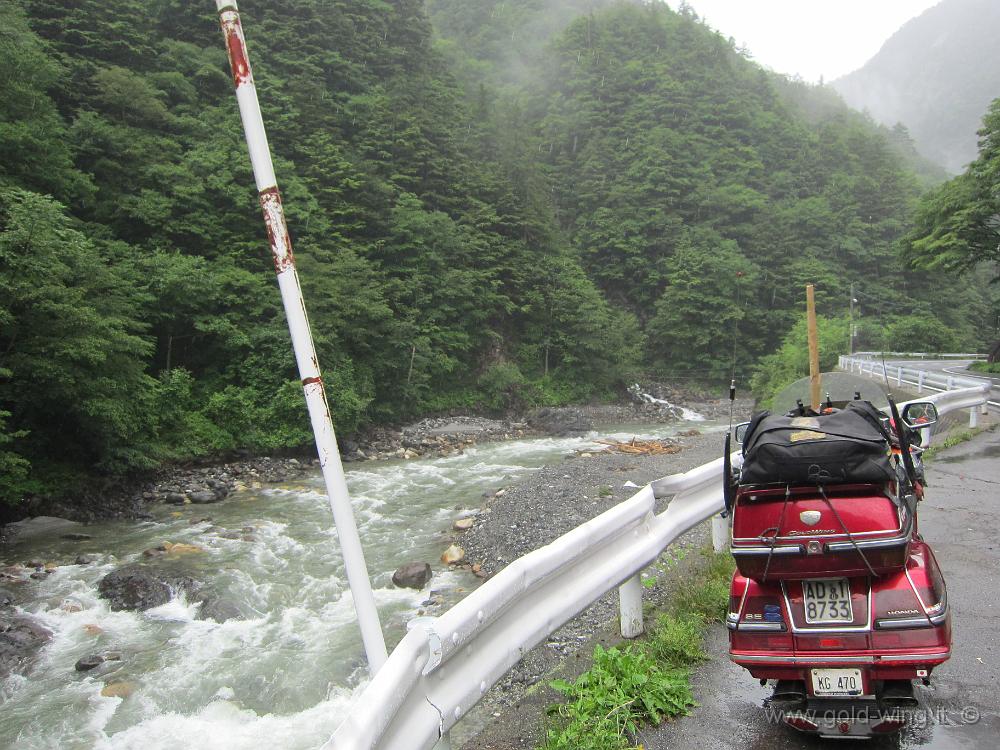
x=851, y=445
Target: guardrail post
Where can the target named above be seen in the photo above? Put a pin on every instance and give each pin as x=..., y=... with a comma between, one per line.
x=920, y=381
x=720, y=532
x=974, y=416
x=630, y=607
x=899, y=376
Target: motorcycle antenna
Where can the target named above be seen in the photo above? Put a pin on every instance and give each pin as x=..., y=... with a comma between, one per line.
x=727, y=460
x=736, y=335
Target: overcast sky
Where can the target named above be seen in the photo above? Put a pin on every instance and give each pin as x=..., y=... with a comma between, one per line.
x=811, y=38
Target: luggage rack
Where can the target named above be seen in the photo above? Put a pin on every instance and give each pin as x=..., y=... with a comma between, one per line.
x=754, y=492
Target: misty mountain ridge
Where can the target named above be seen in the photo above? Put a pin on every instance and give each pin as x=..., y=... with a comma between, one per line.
x=936, y=75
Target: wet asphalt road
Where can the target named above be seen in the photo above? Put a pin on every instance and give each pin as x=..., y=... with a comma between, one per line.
x=959, y=368
x=960, y=518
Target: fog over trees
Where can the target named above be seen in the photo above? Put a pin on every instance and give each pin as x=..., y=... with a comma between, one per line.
x=936, y=76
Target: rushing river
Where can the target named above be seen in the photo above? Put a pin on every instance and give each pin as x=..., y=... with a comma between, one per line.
x=284, y=675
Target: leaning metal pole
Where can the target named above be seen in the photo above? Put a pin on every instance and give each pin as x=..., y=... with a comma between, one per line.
x=302, y=343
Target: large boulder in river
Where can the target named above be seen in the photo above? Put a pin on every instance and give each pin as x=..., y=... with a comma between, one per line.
x=414, y=575
x=40, y=526
x=137, y=588
x=20, y=640
x=562, y=422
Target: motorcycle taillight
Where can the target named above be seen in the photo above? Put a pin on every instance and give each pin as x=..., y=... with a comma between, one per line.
x=741, y=640
x=906, y=638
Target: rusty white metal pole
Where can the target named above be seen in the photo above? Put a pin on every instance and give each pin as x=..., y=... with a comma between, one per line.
x=302, y=343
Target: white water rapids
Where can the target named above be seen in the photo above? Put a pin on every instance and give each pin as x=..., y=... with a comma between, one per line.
x=285, y=676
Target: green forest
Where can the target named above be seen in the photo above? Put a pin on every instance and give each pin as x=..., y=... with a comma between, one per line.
x=494, y=205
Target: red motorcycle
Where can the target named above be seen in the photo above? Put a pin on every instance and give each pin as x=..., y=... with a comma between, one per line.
x=836, y=596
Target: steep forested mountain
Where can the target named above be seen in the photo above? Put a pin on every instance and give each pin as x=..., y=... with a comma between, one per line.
x=688, y=178
x=936, y=75
x=470, y=234
x=957, y=226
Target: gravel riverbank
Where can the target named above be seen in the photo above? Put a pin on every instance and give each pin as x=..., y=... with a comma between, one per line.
x=518, y=519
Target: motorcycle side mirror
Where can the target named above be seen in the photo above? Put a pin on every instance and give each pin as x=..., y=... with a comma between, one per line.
x=740, y=431
x=919, y=414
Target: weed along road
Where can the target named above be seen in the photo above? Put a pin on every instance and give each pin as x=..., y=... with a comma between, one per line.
x=960, y=518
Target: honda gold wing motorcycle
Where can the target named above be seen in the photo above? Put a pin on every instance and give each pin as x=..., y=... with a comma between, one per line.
x=836, y=597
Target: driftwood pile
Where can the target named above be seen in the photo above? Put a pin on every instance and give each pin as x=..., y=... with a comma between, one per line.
x=641, y=447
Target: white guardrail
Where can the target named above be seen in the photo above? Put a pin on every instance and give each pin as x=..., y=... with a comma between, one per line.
x=929, y=380
x=444, y=665
x=920, y=355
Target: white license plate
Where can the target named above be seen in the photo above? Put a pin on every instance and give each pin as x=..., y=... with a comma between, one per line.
x=837, y=682
x=827, y=600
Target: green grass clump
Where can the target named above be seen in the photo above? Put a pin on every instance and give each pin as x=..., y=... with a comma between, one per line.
x=624, y=688
x=707, y=597
x=645, y=681
x=952, y=440
x=985, y=366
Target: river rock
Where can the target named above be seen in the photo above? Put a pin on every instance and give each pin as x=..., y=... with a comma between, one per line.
x=463, y=524
x=118, y=689
x=74, y=537
x=218, y=609
x=182, y=549
x=137, y=588
x=21, y=638
x=85, y=560
x=203, y=497
x=454, y=554
x=414, y=575
x=89, y=662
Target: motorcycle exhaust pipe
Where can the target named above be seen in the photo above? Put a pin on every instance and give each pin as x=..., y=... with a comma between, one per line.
x=789, y=695
x=898, y=694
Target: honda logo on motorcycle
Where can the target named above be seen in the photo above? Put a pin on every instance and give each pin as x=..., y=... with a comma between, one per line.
x=810, y=517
